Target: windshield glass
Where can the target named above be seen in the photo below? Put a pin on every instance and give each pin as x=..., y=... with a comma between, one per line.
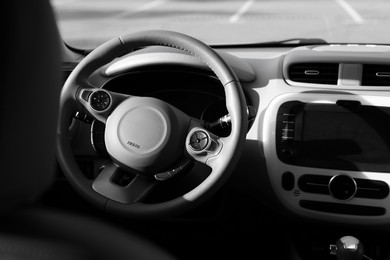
x=88, y=23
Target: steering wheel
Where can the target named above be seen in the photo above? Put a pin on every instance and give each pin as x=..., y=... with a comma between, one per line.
x=148, y=137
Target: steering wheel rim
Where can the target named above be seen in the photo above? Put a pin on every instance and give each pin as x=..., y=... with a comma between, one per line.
x=222, y=163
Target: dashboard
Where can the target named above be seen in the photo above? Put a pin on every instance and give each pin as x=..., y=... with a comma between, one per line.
x=324, y=133
x=319, y=142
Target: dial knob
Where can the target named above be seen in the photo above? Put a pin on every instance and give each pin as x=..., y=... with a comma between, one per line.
x=342, y=187
x=349, y=248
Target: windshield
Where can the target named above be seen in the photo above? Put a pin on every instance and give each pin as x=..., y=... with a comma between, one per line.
x=88, y=23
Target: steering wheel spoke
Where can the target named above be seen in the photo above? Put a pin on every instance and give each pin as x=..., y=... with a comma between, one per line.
x=118, y=185
x=99, y=102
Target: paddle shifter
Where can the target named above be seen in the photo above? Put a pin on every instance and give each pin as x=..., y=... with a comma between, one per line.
x=348, y=248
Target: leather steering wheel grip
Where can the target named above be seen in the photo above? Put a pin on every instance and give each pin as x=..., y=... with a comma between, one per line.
x=222, y=165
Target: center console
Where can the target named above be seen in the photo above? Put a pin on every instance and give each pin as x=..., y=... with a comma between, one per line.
x=329, y=155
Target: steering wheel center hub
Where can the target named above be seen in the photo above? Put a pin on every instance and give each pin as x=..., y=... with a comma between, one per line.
x=140, y=135
x=142, y=130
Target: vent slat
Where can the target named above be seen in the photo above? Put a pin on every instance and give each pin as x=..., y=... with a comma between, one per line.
x=302, y=72
x=376, y=75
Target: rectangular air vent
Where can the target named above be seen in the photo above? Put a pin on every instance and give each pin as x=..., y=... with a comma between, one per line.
x=376, y=75
x=318, y=73
x=314, y=183
x=372, y=189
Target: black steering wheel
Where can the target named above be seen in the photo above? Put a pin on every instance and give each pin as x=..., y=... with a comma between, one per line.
x=148, y=137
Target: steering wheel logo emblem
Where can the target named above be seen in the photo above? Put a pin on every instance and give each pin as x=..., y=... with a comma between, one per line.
x=134, y=144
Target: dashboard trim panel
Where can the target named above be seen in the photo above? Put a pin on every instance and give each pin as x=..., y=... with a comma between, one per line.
x=292, y=198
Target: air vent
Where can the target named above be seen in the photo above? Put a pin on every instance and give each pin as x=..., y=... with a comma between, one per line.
x=376, y=75
x=318, y=73
x=319, y=184
x=372, y=189
x=314, y=183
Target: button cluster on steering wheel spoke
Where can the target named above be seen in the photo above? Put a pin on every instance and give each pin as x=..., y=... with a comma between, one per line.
x=100, y=100
x=199, y=140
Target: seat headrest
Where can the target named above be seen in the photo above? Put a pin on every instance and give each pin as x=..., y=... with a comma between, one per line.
x=29, y=102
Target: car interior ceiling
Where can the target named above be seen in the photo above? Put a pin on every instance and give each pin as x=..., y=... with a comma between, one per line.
x=278, y=208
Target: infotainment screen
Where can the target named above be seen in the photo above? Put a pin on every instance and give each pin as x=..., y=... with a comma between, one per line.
x=349, y=138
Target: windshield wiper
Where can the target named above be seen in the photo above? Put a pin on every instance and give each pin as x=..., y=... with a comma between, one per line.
x=292, y=42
